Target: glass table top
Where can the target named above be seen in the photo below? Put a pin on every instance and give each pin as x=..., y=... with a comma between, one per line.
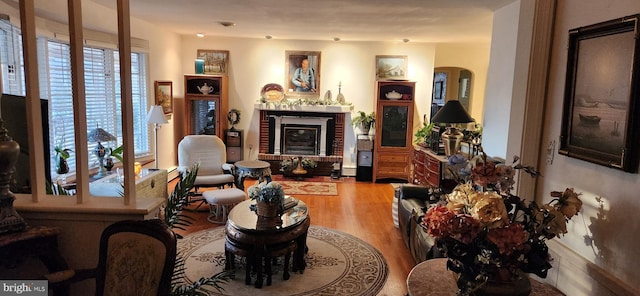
x=242, y=217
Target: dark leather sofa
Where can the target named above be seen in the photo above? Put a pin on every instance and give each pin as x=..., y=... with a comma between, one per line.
x=413, y=201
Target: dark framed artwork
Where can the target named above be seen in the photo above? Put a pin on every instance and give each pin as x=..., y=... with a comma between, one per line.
x=302, y=73
x=600, y=121
x=215, y=61
x=164, y=95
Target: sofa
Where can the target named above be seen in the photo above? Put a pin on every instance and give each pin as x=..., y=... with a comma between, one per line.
x=413, y=201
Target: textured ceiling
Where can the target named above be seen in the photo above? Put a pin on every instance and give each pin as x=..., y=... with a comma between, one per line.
x=352, y=20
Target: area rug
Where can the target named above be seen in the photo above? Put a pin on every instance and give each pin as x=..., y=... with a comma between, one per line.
x=337, y=264
x=309, y=188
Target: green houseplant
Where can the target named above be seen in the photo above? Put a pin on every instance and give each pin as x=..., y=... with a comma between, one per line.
x=62, y=154
x=269, y=198
x=364, y=121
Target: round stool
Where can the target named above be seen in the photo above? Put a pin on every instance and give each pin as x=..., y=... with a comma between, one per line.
x=220, y=202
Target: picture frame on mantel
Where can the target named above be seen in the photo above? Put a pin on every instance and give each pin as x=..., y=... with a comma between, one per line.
x=216, y=62
x=391, y=67
x=293, y=77
x=163, y=91
x=601, y=114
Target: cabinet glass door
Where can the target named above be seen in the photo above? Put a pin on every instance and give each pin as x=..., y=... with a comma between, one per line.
x=394, y=126
x=203, y=117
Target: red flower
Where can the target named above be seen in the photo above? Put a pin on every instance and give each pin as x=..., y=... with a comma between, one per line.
x=484, y=174
x=464, y=228
x=437, y=220
x=509, y=238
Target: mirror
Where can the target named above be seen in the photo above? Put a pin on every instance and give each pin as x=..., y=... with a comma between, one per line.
x=451, y=83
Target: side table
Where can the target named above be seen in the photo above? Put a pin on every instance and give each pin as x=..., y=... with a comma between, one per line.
x=431, y=278
x=36, y=241
x=257, y=169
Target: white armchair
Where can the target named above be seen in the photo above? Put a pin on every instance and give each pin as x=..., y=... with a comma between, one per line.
x=211, y=153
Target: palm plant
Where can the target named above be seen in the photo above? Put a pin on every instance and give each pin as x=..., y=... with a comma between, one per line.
x=174, y=218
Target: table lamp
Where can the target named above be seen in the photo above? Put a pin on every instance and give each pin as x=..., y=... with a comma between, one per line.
x=156, y=117
x=100, y=135
x=452, y=112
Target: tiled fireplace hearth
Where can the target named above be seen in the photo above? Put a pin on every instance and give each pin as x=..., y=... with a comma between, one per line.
x=315, y=132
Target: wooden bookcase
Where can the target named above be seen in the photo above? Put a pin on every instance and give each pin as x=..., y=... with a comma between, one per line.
x=206, y=101
x=392, y=153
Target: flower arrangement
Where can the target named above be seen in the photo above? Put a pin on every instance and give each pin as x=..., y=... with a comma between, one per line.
x=487, y=233
x=271, y=192
x=290, y=164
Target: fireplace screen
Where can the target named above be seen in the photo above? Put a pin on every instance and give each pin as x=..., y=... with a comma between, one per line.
x=301, y=140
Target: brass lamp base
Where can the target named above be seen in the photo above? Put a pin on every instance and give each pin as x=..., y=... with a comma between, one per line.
x=452, y=139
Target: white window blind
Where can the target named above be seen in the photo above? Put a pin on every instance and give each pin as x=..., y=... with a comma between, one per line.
x=11, y=60
x=102, y=94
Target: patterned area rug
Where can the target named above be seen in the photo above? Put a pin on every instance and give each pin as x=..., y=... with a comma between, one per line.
x=337, y=264
x=309, y=188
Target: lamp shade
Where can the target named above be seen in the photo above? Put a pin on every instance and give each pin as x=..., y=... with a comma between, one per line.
x=156, y=115
x=452, y=112
x=100, y=135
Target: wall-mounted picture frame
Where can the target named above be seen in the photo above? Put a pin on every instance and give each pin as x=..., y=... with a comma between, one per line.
x=163, y=90
x=302, y=73
x=216, y=62
x=391, y=67
x=600, y=121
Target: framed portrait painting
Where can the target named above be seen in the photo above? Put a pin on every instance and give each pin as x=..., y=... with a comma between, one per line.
x=601, y=114
x=215, y=61
x=391, y=67
x=164, y=95
x=302, y=73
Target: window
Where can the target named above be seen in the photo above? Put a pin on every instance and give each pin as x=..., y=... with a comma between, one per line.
x=102, y=90
x=102, y=87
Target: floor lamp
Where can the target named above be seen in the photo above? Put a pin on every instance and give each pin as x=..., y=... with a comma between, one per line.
x=156, y=117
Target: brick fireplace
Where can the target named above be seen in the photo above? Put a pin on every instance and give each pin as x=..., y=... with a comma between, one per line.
x=314, y=132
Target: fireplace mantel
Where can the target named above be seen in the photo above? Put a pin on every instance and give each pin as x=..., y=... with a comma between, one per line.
x=304, y=108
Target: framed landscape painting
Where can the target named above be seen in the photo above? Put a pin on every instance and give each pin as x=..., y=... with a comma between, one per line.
x=164, y=95
x=215, y=61
x=391, y=67
x=600, y=121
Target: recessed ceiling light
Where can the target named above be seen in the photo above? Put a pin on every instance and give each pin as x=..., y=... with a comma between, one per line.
x=405, y=40
x=227, y=24
x=336, y=38
x=268, y=37
x=200, y=35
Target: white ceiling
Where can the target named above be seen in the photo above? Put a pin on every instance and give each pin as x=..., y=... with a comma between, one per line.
x=349, y=20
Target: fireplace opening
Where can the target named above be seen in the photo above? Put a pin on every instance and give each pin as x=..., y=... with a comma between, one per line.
x=301, y=139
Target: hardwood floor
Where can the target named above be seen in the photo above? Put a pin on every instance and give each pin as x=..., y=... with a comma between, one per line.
x=361, y=209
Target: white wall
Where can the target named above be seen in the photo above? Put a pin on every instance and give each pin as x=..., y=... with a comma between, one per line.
x=475, y=58
x=256, y=62
x=613, y=230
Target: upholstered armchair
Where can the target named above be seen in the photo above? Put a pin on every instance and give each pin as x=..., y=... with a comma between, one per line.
x=136, y=258
x=211, y=154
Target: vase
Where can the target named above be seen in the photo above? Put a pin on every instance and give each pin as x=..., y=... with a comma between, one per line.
x=504, y=284
x=267, y=209
x=62, y=167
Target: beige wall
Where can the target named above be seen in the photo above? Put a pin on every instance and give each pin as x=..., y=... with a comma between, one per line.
x=256, y=62
x=475, y=58
x=604, y=240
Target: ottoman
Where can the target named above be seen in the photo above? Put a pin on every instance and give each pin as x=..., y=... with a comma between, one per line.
x=221, y=201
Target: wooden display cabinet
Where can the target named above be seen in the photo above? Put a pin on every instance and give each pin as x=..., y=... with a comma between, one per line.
x=206, y=104
x=427, y=167
x=392, y=151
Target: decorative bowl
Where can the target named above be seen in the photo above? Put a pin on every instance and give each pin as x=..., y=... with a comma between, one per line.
x=272, y=92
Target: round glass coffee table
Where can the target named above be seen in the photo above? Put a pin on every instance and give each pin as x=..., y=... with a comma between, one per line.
x=257, y=169
x=257, y=238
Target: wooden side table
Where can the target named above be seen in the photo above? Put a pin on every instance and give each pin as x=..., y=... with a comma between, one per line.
x=257, y=169
x=37, y=241
x=247, y=237
x=431, y=278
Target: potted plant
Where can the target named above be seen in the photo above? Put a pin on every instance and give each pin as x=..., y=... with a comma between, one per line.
x=288, y=165
x=62, y=167
x=423, y=135
x=269, y=198
x=364, y=121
